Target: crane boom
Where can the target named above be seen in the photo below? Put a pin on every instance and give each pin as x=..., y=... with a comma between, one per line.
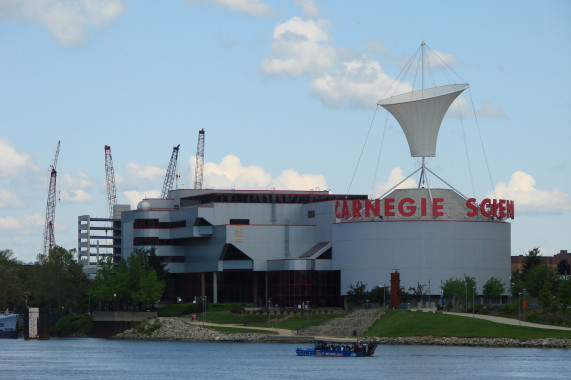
x=110, y=177
x=49, y=238
x=171, y=171
x=199, y=168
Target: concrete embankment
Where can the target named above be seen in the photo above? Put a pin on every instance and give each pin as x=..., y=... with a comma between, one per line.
x=173, y=329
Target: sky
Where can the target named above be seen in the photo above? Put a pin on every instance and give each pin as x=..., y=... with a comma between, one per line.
x=287, y=93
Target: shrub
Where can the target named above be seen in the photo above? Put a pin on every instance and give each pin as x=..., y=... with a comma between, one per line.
x=73, y=325
x=147, y=327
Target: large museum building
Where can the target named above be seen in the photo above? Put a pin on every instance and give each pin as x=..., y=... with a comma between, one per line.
x=291, y=247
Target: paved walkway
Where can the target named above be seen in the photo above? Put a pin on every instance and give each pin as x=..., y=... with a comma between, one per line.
x=281, y=332
x=510, y=321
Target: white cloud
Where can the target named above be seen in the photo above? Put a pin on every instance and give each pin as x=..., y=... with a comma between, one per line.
x=134, y=196
x=11, y=162
x=147, y=173
x=230, y=173
x=299, y=47
x=291, y=180
x=358, y=82
x=9, y=223
x=13, y=223
x=491, y=112
x=395, y=176
x=528, y=199
x=251, y=7
x=67, y=20
x=310, y=7
x=73, y=188
x=10, y=200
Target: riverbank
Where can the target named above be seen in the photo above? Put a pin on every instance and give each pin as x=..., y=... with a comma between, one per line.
x=175, y=329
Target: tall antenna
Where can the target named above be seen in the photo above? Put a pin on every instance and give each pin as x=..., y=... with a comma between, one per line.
x=171, y=171
x=110, y=176
x=49, y=239
x=199, y=168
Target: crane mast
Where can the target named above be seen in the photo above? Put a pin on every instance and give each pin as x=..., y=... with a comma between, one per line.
x=171, y=172
x=49, y=239
x=199, y=168
x=110, y=177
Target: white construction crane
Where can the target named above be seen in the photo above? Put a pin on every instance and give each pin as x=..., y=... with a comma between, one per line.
x=171, y=173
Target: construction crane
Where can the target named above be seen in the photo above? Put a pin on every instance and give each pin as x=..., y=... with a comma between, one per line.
x=110, y=176
x=171, y=172
x=199, y=168
x=49, y=240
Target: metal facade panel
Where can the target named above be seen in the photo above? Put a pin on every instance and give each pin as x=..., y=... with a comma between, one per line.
x=421, y=251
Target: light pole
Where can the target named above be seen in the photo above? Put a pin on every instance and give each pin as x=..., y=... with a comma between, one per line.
x=519, y=307
x=276, y=311
x=307, y=311
x=524, y=304
x=367, y=301
x=473, y=290
x=429, y=293
x=269, y=305
x=466, y=289
x=203, y=309
x=384, y=297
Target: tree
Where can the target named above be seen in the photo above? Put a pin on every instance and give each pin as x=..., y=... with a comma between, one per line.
x=59, y=281
x=564, y=295
x=357, y=294
x=132, y=282
x=493, y=288
x=458, y=288
x=11, y=288
x=536, y=277
x=530, y=260
x=417, y=292
x=546, y=296
x=380, y=294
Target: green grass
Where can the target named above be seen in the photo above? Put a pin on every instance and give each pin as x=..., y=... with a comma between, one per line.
x=397, y=323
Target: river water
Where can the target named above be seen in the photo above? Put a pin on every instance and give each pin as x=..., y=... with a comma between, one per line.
x=90, y=358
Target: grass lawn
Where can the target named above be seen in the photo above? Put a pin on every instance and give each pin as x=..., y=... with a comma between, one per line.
x=408, y=323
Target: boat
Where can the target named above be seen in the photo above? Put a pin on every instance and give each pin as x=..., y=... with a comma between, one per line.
x=340, y=347
x=8, y=324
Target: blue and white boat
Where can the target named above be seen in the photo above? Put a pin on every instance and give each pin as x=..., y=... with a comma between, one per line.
x=8, y=324
x=338, y=348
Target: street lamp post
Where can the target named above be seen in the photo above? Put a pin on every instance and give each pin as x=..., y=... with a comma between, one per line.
x=307, y=311
x=428, y=293
x=276, y=310
x=524, y=304
x=384, y=297
x=367, y=301
x=269, y=305
x=466, y=289
x=473, y=291
x=203, y=309
x=519, y=307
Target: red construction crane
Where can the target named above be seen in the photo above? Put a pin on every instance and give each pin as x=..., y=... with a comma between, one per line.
x=49, y=240
x=199, y=168
x=171, y=172
x=110, y=176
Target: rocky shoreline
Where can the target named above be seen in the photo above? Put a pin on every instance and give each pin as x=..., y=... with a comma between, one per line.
x=173, y=329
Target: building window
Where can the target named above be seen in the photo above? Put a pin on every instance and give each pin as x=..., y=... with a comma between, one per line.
x=311, y=214
x=239, y=221
x=140, y=224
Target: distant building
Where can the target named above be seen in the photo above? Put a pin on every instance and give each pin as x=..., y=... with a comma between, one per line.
x=560, y=260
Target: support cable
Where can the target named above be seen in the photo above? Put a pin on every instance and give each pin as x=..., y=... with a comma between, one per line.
x=482, y=143
x=362, y=150
x=379, y=155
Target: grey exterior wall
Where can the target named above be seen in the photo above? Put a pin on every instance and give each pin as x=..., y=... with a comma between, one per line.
x=421, y=251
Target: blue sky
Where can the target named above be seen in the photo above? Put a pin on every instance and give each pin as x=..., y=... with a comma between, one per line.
x=286, y=92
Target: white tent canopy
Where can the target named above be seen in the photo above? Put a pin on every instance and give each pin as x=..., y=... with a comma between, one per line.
x=420, y=114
